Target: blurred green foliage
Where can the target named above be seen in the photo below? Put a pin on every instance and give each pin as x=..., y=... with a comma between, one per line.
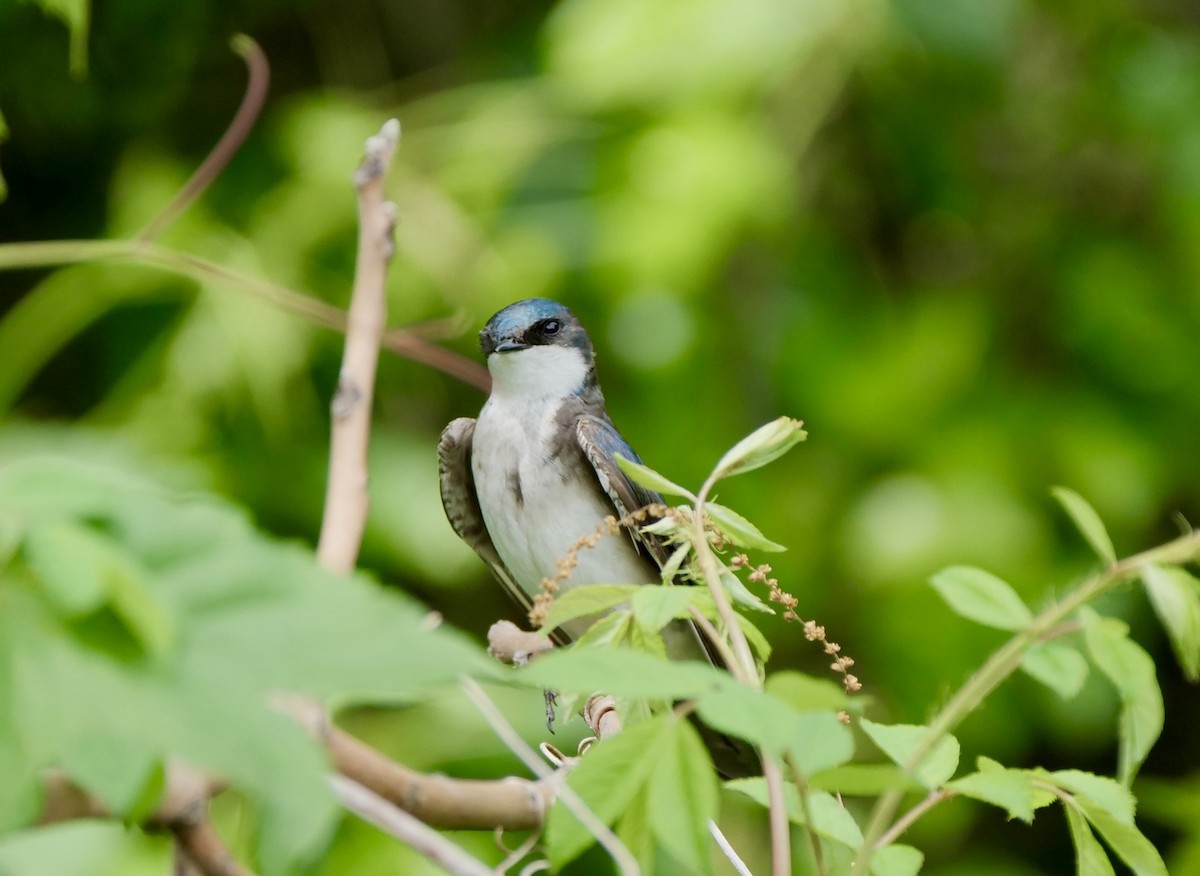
x=961, y=240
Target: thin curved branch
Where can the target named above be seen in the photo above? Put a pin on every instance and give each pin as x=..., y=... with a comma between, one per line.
x=259, y=70
x=407, y=828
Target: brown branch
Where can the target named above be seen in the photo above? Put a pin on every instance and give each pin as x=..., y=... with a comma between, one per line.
x=345, y=514
x=182, y=811
x=409, y=830
x=600, y=712
x=511, y=803
x=231, y=141
x=510, y=644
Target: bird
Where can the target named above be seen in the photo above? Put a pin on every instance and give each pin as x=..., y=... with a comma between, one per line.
x=537, y=469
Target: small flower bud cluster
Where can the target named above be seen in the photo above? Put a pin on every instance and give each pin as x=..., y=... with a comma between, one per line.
x=565, y=565
x=812, y=630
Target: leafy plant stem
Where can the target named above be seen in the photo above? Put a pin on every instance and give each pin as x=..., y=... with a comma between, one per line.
x=744, y=670
x=909, y=818
x=1005, y=661
x=802, y=791
x=781, y=835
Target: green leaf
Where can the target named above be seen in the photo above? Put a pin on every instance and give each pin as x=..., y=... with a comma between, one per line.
x=1131, y=671
x=633, y=828
x=620, y=672
x=1106, y=793
x=611, y=629
x=113, y=768
x=674, y=563
x=760, y=447
x=1090, y=859
x=740, y=594
x=1011, y=790
x=758, y=642
x=1060, y=667
x=70, y=563
x=1175, y=595
x=655, y=607
x=806, y=693
x=767, y=722
x=608, y=778
x=864, y=780
x=682, y=797
x=1087, y=521
x=897, y=860
x=830, y=819
x=738, y=530
x=820, y=742
x=900, y=742
x=255, y=616
x=650, y=479
x=83, y=570
x=982, y=597
x=1124, y=839
x=586, y=600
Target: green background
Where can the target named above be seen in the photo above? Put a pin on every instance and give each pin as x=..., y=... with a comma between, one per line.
x=960, y=239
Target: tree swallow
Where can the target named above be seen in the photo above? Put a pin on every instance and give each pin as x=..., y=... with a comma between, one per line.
x=537, y=470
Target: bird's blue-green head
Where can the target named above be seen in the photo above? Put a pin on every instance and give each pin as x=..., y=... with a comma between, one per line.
x=537, y=347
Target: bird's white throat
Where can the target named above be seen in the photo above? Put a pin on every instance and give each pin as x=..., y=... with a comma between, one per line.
x=542, y=372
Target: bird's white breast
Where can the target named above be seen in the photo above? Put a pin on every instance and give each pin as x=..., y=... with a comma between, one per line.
x=536, y=505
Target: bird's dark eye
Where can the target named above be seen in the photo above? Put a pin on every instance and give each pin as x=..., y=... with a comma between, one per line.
x=551, y=327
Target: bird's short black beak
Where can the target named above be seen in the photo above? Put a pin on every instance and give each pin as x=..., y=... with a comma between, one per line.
x=490, y=345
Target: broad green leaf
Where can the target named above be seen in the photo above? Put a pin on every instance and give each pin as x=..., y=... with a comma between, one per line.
x=113, y=768
x=820, y=742
x=21, y=790
x=620, y=672
x=1011, y=790
x=1087, y=521
x=758, y=642
x=650, y=479
x=811, y=740
x=1106, y=793
x=1131, y=671
x=897, y=860
x=864, y=780
x=740, y=711
x=1090, y=859
x=982, y=597
x=830, y=818
x=740, y=594
x=82, y=570
x=1175, y=595
x=585, y=600
x=1124, y=839
x=644, y=639
x=608, y=778
x=806, y=693
x=633, y=827
x=655, y=607
x=1060, y=667
x=682, y=797
x=259, y=617
x=70, y=563
x=611, y=629
x=760, y=447
x=738, y=530
x=901, y=742
x=675, y=562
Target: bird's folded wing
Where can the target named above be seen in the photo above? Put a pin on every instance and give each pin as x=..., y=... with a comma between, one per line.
x=462, y=503
x=600, y=440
